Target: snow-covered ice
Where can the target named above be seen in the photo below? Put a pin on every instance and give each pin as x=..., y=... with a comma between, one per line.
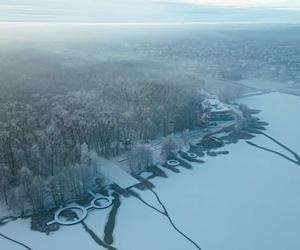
x=116, y=174
x=246, y=200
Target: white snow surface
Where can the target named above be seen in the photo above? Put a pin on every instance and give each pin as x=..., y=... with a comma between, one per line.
x=265, y=84
x=246, y=200
x=116, y=174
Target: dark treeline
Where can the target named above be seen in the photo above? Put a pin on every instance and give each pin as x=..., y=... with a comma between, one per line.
x=50, y=145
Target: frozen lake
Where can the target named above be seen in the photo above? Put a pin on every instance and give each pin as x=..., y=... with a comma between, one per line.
x=246, y=200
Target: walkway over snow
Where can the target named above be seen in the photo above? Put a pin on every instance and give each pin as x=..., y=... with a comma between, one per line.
x=116, y=174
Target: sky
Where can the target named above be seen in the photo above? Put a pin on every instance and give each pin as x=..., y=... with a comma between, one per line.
x=149, y=10
x=247, y=3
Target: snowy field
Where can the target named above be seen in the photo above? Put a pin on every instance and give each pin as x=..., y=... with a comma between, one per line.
x=246, y=200
x=265, y=84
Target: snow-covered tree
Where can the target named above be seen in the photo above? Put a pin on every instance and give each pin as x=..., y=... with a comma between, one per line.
x=4, y=181
x=59, y=137
x=139, y=158
x=186, y=137
x=169, y=147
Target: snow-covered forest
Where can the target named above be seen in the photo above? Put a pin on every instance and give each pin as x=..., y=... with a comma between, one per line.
x=74, y=100
x=49, y=145
x=187, y=128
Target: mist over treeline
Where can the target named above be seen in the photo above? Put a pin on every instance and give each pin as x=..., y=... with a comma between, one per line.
x=70, y=95
x=58, y=58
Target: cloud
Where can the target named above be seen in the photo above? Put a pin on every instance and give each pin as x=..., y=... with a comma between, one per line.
x=80, y=10
x=134, y=10
x=244, y=3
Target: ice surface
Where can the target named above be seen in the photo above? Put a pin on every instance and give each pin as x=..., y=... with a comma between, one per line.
x=116, y=174
x=246, y=200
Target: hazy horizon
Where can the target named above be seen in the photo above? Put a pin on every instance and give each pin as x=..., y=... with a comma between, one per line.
x=150, y=11
x=149, y=124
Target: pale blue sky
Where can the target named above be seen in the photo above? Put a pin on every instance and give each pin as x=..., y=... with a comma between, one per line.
x=149, y=10
x=244, y=3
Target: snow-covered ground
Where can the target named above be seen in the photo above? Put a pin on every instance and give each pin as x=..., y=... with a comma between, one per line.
x=116, y=174
x=265, y=84
x=282, y=113
x=246, y=200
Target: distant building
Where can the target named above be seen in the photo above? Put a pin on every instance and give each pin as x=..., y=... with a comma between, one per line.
x=218, y=110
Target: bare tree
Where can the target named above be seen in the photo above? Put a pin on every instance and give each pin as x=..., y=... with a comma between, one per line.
x=169, y=147
x=186, y=137
x=4, y=181
x=139, y=158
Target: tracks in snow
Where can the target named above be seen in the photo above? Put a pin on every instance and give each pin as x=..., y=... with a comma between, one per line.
x=164, y=212
x=296, y=159
x=15, y=241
